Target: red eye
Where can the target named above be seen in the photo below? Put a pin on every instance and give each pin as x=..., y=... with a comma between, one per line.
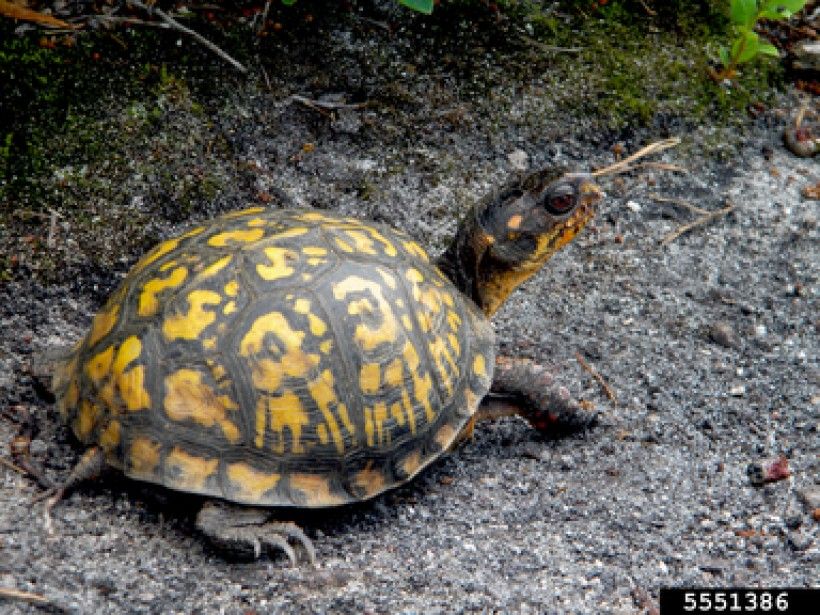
x=560, y=204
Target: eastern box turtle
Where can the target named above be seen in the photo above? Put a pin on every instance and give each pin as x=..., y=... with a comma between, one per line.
x=295, y=358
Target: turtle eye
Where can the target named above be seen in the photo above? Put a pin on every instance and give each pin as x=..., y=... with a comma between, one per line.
x=560, y=203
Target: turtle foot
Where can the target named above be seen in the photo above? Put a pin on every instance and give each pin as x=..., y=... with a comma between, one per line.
x=249, y=531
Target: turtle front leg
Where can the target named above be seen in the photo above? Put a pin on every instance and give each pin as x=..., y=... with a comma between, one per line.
x=241, y=531
x=528, y=389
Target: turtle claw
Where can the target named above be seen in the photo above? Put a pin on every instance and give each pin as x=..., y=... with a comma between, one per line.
x=238, y=530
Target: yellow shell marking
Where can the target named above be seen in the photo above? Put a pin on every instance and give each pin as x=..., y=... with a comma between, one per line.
x=397, y=414
x=370, y=378
x=440, y=354
x=279, y=267
x=157, y=253
x=314, y=251
x=131, y=383
x=110, y=437
x=187, y=471
x=148, y=304
x=315, y=489
x=410, y=464
x=370, y=481
x=316, y=324
x=86, y=420
x=323, y=392
x=422, y=385
x=239, y=213
x=214, y=268
x=368, y=337
x=416, y=250
x=143, y=457
x=231, y=288
x=252, y=484
x=99, y=366
x=188, y=398
x=237, y=236
x=103, y=323
x=191, y=325
x=379, y=417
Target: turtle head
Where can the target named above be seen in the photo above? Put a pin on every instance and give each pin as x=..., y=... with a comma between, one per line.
x=508, y=237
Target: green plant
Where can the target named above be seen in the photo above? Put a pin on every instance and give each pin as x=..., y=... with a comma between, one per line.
x=422, y=6
x=747, y=45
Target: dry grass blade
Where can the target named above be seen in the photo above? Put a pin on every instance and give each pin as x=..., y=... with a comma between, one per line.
x=608, y=390
x=15, y=594
x=622, y=166
x=16, y=11
x=11, y=466
x=703, y=220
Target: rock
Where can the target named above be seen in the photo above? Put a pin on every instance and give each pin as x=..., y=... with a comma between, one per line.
x=723, y=334
x=810, y=496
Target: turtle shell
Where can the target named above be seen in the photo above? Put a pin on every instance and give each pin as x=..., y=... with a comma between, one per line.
x=279, y=358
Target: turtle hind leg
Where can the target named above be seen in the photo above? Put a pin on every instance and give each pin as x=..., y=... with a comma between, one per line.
x=528, y=389
x=90, y=466
x=241, y=531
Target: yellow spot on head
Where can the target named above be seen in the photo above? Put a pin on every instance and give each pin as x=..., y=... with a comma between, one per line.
x=251, y=484
x=188, y=472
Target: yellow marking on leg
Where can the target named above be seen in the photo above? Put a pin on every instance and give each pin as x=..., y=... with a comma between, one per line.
x=411, y=464
x=445, y=436
x=323, y=392
x=110, y=437
x=187, y=398
x=315, y=489
x=188, y=472
x=250, y=484
x=148, y=304
x=370, y=378
x=280, y=259
x=226, y=238
x=191, y=325
x=143, y=458
x=369, y=481
x=103, y=323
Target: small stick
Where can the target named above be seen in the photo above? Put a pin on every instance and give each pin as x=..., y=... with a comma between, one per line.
x=623, y=165
x=550, y=48
x=610, y=393
x=11, y=466
x=704, y=219
x=173, y=23
x=679, y=202
x=16, y=594
x=52, y=229
x=648, y=10
x=264, y=17
x=326, y=105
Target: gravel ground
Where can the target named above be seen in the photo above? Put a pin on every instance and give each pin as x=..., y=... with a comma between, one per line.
x=709, y=344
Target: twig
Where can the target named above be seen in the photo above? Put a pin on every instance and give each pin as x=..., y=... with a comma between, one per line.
x=648, y=10
x=551, y=48
x=173, y=23
x=265, y=12
x=16, y=594
x=52, y=229
x=610, y=393
x=704, y=219
x=622, y=166
x=680, y=203
x=11, y=466
x=324, y=106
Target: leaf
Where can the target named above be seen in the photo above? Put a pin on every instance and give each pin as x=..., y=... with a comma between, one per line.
x=723, y=54
x=780, y=9
x=421, y=6
x=288, y=2
x=767, y=49
x=15, y=11
x=745, y=47
x=743, y=12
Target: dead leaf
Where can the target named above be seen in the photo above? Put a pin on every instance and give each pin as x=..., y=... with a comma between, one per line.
x=15, y=11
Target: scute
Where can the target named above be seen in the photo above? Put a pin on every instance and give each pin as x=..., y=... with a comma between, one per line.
x=282, y=358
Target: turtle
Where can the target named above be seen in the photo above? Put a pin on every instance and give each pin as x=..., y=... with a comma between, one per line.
x=276, y=359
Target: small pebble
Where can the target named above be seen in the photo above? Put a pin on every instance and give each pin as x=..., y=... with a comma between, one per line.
x=633, y=206
x=723, y=334
x=738, y=391
x=810, y=496
x=518, y=159
x=760, y=331
x=799, y=540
